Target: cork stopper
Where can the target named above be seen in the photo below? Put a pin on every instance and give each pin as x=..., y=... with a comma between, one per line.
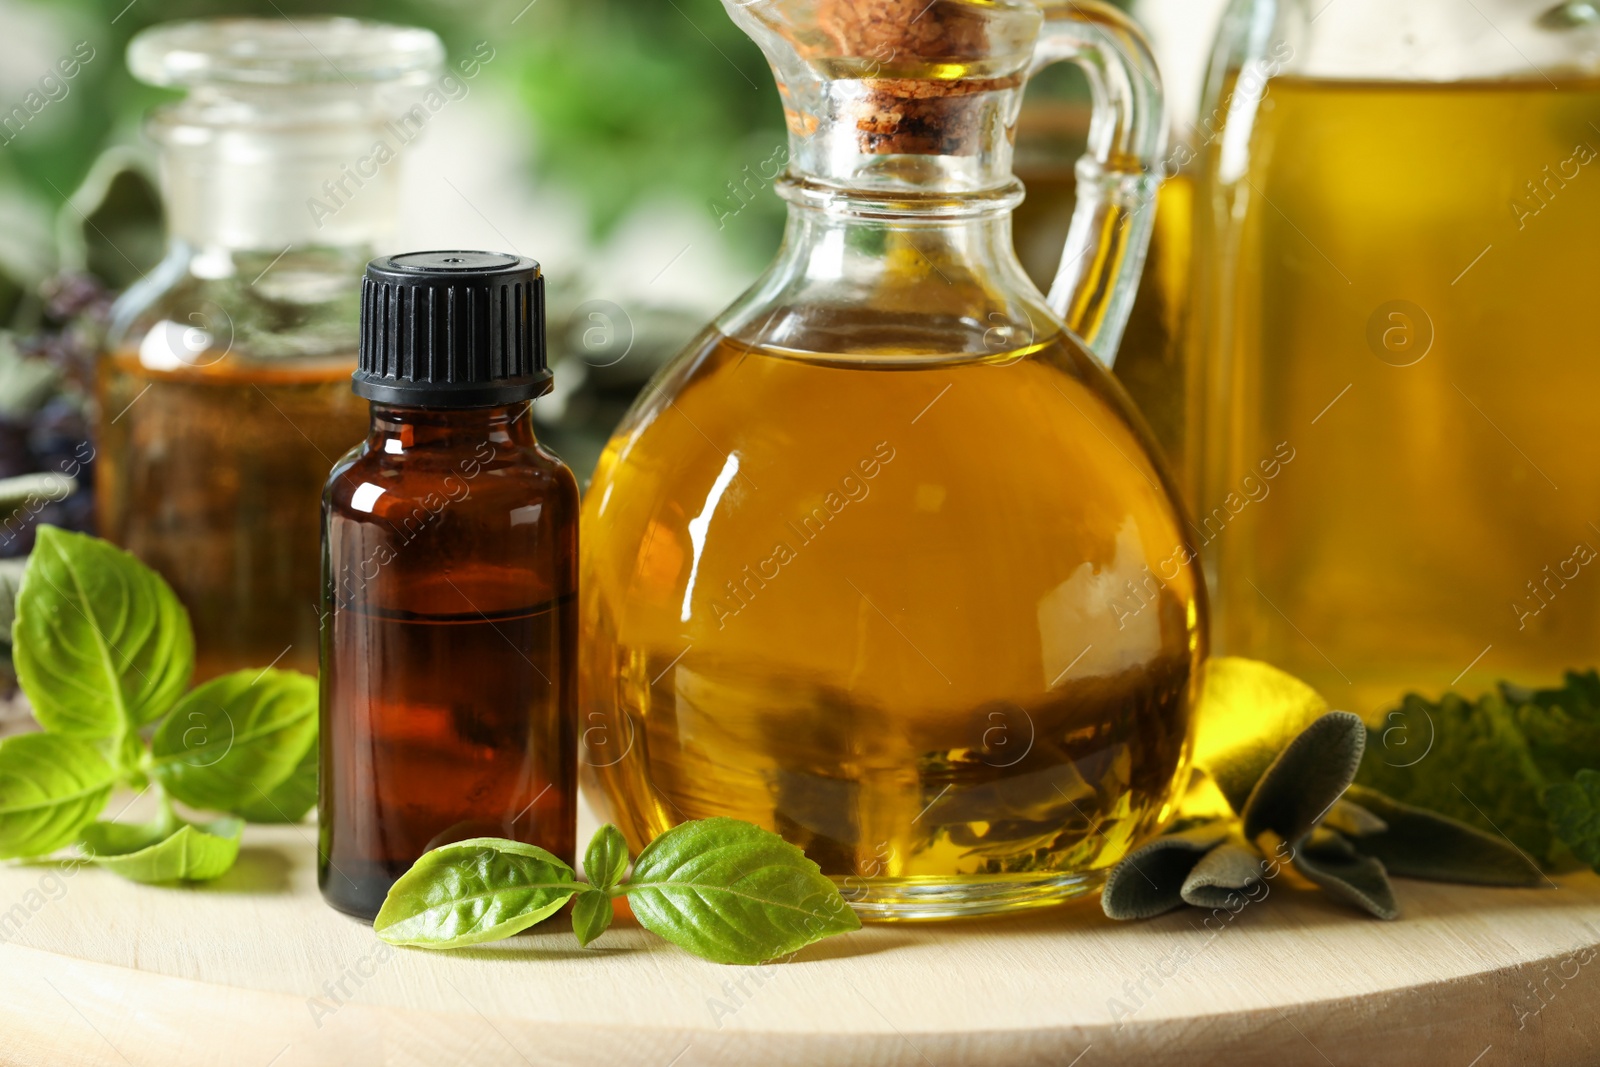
x=916, y=115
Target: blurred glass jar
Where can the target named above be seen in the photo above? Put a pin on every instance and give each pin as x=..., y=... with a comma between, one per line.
x=224, y=392
x=1399, y=232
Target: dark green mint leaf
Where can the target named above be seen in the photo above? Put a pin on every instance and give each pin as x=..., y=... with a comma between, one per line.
x=1575, y=814
x=606, y=859
x=732, y=892
x=235, y=738
x=591, y=915
x=1465, y=759
x=100, y=642
x=474, y=891
x=51, y=787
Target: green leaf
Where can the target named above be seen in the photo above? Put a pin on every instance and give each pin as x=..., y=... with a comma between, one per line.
x=101, y=644
x=1561, y=725
x=1575, y=814
x=1306, y=779
x=1466, y=759
x=732, y=892
x=1248, y=713
x=51, y=787
x=1149, y=880
x=591, y=915
x=236, y=738
x=165, y=849
x=474, y=891
x=1417, y=843
x=291, y=799
x=1327, y=859
x=606, y=859
x=11, y=571
x=1224, y=873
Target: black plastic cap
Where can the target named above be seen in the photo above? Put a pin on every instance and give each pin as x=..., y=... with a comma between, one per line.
x=452, y=330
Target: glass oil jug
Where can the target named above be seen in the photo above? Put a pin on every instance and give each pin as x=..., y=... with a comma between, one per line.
x=1399, y=233
x=224, y=394
x=885, y=561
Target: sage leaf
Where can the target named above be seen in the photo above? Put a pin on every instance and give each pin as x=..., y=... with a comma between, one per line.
x=474, y=891
x=165, y=849
x=101, y=644
x=606, y=859
x=1575, y=814
x=1417, y=843
x=1223, y=874
x=235, y=738
x=1277, y=705
x=51, y=787
x=1307, y=778
x=732, y=892
x=291, y=799
x=1149, y=880
x=1328, y=859
x=591, y=915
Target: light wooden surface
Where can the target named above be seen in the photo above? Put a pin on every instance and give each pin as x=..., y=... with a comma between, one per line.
x=254, y=971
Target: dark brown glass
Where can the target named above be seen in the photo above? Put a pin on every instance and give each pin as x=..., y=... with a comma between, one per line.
x=448, y=636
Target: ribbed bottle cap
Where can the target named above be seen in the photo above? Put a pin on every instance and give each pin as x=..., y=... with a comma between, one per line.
x=452, y=330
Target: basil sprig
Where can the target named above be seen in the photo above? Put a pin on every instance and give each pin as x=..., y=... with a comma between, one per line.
x=104, y=652
x=722, y=889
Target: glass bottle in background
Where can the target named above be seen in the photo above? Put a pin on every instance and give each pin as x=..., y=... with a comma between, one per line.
x=223, y=396
x=885, y=561
x=1400, y=228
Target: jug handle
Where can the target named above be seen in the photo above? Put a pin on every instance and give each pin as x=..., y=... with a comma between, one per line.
x=1117, y=178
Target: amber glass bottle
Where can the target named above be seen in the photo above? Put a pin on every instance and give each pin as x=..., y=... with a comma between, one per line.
x=449, y=576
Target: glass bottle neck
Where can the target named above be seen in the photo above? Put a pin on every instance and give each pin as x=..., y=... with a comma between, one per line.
x=927, y=280
x=397, y=430
x=309, y=168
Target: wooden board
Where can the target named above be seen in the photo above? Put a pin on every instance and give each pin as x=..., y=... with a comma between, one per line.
x=254, y=971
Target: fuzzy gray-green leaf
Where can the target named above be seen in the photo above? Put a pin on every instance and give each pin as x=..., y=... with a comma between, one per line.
x=1149, y=880
x=235, y=738
x=1222, y=874
x=51, y=787
x=1328, y=859
x=474, y=891
x=731, y=892
x=100, y=642
x=1306, y=778
x=1417, y=843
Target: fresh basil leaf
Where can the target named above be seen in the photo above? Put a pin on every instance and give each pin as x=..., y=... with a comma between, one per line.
x=11, y=571
x=591, y=915
x=606, y=859
x=293, y=797
x=732, y=892
x=235, y=738
x=166, y=849
x=51, y=787
x=474, y=891
x=1575, y=814
x=101, y=644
